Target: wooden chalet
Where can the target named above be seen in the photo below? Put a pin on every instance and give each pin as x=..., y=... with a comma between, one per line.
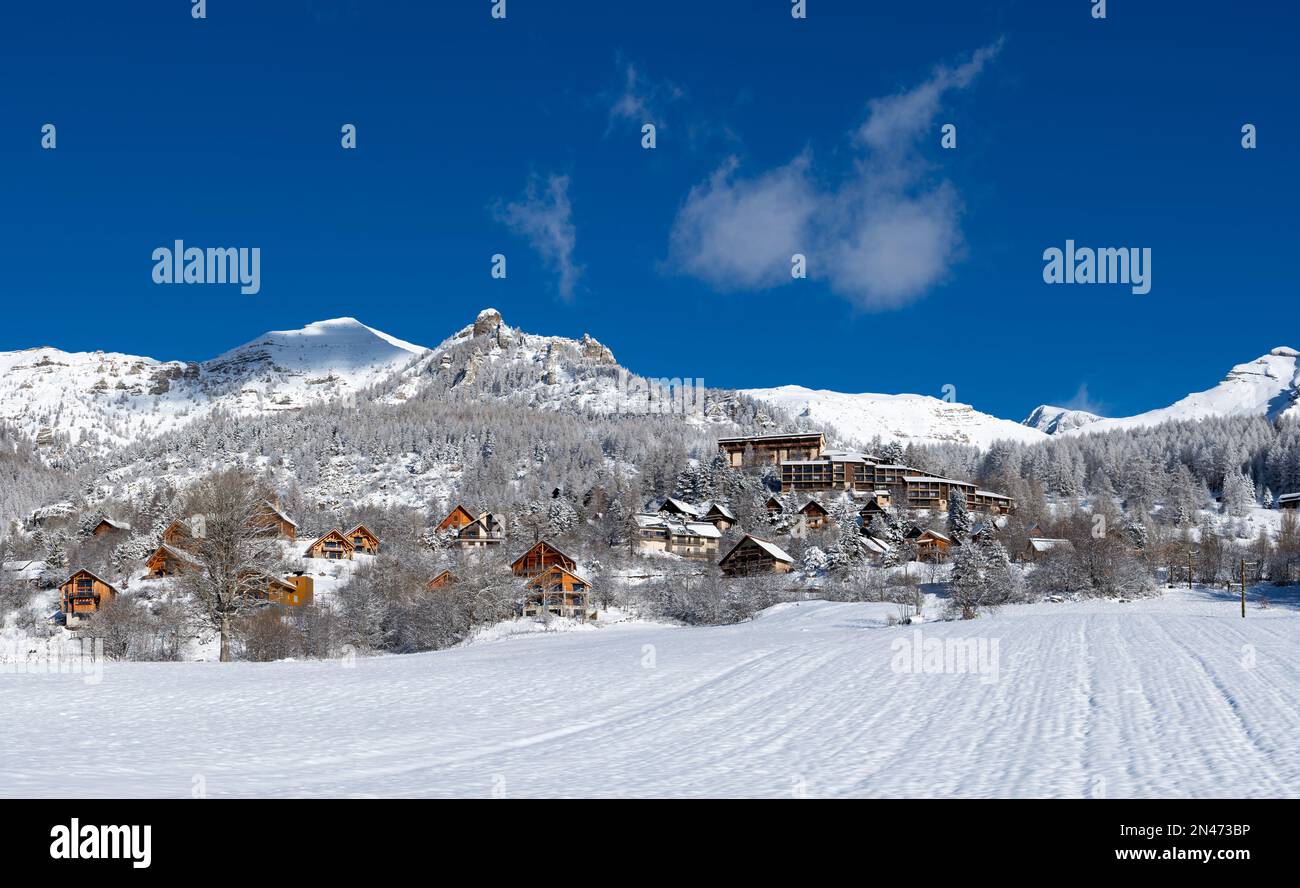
x=680, y=509
x=772, y=449
x=540, y=557
x=362, y=540
x=25, y=573
x=558, y=591
x=443, y=579
x=815, y=515
x=1038, y=548
x=269, y=515
x=168, y=561
x=774, y=506
x=333, y=546
x=933, y=546
x=177, y=533
x=754, y=556
x=456, y=519
x=719, y=516
x=485, y=530
x=1288, y=501
x=298, y=590
x=83, y=593
x=108, y=526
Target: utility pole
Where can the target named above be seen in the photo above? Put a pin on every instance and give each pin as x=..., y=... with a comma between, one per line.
x=1243, y=588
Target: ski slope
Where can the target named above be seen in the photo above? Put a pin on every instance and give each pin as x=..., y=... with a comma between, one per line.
x=1151, y=698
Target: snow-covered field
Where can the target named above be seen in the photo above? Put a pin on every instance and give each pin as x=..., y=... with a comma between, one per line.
x=1175, y=696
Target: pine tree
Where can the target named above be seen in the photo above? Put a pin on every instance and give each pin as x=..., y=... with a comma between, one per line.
x=959, y=520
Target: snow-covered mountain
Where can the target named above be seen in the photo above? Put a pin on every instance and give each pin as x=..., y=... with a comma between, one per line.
x=1051, y=420
x=909, y=419
x=1267, y=386
x=95, y=400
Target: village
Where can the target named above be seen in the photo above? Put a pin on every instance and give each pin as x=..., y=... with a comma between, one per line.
x=820, y=490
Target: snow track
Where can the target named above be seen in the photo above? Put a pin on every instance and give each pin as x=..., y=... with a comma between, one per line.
x=1153, y=698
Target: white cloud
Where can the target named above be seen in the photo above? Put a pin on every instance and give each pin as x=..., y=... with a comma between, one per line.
x=545, y=218
x=882, y=235
x=1082, y=400
x=741, y=234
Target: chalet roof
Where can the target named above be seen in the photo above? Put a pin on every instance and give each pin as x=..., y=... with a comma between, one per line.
x=934, y=478
x=537, y=545
x=704, y=529
x=76, y=573
x=1044, y=544
x=720, y=509
x=767, y=546
x=772, y=437
x=871, y=544
x=936, y=535
x=179, y=523
x=331, y=533
x=681, y=506
x=992, y=494
x=178, y=554
x=279, y=514
x=1288, y=497
x=283, y=584
x=487, y=519
x=811, y=504
x=364, y=529
x=117, y=525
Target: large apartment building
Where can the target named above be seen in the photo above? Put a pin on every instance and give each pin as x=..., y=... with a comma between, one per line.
x=772, y=449
x=861, y=473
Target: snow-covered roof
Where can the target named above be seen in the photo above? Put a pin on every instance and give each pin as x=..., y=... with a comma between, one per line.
x=871, y=544
x=120, y=525
x=992, y=494
x=179, y=554
x=25, y=570
x=937, y=535
x=681, y=506
x=769, y=547
x=1288, y=497
x=935, y=479
x=720, y=509
x=703, y=529
x=276, y=509
x=1044, y=544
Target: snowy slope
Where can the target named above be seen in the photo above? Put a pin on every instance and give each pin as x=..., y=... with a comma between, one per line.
x=1150, y=698
x=1050, y=420
x=104, y=399
x=917, y=419
x=1267, y=386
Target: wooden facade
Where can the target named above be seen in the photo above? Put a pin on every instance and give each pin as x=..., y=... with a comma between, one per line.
x=456, y=519
x=443, y=579
x=83, y=593
x=269, y=515
x=168, y=561
x=916, y=488
x=933, y=546
x=108, y=526
x=753, y=555
x=558, y=591
x=719, y=516
x=688, y=539
x=815, y=515
x=333, y=546
x=772, y=449
x=177, y=533
x=540, y=557
x=362, y=540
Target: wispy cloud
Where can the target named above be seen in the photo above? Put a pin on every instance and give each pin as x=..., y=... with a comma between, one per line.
x=882, y=235
x=640, y=100
x=1082, y=400
x=544, y=216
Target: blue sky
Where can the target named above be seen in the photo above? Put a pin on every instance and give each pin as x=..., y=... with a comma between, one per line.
x=522, y=137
